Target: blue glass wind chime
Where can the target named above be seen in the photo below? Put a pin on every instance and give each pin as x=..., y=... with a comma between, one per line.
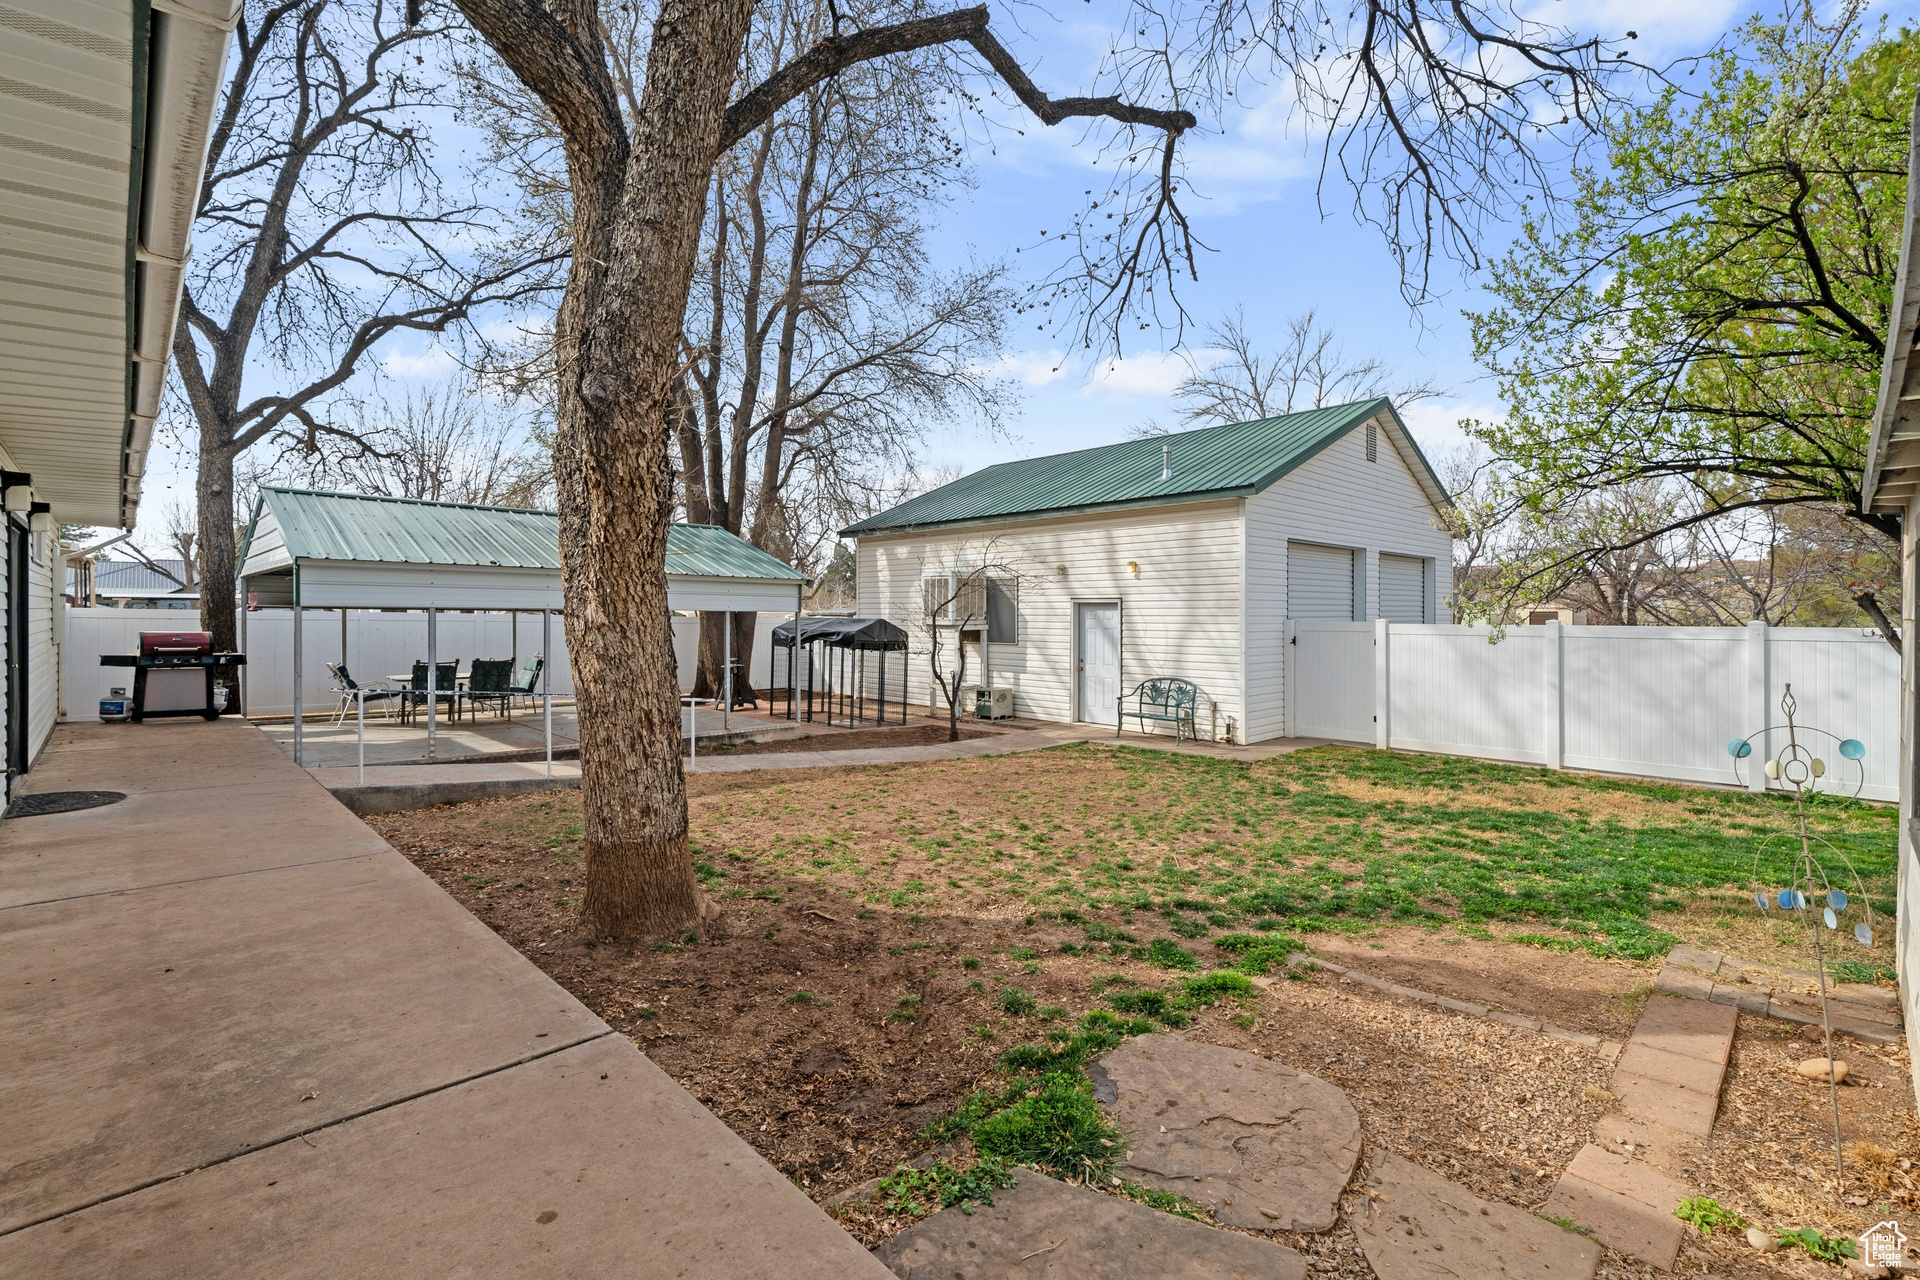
x=1800, y=769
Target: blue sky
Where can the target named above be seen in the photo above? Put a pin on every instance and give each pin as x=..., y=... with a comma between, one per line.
x=1273, y=253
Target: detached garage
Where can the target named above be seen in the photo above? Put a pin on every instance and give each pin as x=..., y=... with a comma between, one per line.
x=1067, y=580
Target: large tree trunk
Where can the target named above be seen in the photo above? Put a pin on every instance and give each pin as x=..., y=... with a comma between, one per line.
x=615, y=482
x=213, y=490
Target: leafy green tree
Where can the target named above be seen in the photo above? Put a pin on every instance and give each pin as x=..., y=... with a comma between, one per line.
x=1713, y=314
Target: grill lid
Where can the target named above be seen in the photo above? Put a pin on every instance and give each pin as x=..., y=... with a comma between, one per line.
x=152, y=642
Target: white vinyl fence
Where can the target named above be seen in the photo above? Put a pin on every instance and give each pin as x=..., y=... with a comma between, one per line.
x=1654, y=702
x=379, y=644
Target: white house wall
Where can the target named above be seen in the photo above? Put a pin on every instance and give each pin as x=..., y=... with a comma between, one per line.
x=43, y=645
x=1180, y=616
x=1339, y=499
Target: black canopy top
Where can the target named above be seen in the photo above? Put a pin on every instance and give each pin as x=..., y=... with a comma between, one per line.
x=843, y=633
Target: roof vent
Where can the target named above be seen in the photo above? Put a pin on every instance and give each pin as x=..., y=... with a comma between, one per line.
x=1166, y=463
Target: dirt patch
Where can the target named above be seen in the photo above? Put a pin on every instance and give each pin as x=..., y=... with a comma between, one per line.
x=907, y=735
x=1623, y=807
x=1572, y=990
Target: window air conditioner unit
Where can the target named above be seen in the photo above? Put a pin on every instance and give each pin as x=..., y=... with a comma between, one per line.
x=955, y=599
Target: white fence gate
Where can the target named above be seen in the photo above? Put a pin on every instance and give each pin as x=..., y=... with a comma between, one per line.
x=1653, y=702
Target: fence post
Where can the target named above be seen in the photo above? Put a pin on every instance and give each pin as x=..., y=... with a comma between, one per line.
x=1382, y=728
x=1757, y=693
x=1289, y=670
x=1554, y=697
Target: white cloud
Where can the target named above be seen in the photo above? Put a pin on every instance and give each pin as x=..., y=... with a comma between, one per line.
x=1436, y=424
x=435, y=362
x=1150, y=373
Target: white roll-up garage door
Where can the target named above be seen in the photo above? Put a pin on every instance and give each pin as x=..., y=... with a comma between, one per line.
x=1319, y=583
x=1403, y=588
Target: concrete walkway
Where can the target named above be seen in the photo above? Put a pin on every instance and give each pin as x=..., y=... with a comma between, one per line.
x=392, y=788
x=244, y=1037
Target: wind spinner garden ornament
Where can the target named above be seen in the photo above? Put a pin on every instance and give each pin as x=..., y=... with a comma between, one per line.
x=1806, y=773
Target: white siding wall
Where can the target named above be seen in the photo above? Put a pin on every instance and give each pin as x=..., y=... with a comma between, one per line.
x=1181, y=616
x=1339, y=499
x=43, y=647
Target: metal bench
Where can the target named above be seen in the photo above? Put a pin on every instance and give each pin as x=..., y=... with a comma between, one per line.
x=1163, y=700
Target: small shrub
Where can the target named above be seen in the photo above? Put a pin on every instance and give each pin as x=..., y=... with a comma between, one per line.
x=1022, y=953
x=1824, y=1247
x=1706, y=1213
x=1259, y=953
x=917, y=1192
x=971, y=962
x=1016, y=1003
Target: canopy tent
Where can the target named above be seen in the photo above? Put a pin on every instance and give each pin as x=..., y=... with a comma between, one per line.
x=841, y=645
x=306, y=549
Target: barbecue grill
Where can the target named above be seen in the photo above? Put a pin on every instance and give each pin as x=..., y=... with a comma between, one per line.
x=173, y=674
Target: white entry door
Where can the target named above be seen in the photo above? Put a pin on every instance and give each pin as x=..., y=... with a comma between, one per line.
x=1097, y=627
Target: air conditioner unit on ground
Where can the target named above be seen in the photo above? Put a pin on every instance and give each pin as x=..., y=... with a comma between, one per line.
x=992, y=704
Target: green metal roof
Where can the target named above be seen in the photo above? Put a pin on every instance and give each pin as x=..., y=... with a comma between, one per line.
x=371, y=528
x=1230, y=461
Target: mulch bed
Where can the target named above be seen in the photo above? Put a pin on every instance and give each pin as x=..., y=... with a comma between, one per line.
x=907, y=735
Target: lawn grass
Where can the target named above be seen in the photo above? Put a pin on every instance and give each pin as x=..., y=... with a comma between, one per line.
x=1124, y=842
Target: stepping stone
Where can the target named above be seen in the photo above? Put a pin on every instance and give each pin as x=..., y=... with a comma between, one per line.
x=1683, y=982
x=1626, y=1204
x=1691, y=1028
x=1418, y=1226
x=1694, y=958
x=1043, y=1228
x=1264, y=1147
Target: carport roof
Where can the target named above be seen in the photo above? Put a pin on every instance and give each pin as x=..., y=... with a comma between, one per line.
x=370, y=528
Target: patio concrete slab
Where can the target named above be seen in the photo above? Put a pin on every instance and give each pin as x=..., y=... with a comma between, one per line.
x=166, y=1041
x=1040, y=1228
x=1263, y=1146
x=149, y=1042
x=585, y=1163
x=1418, y=1225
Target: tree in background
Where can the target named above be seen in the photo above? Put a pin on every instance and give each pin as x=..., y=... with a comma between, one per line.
x=821, y=341
x=1232, y=379
x=1429, y=105
x=1712, y=322
x=322, y=230
x=443, y=443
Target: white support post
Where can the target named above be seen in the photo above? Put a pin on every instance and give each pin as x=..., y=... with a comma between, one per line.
x=360, y=697
x=1553, y=698
x=1758, y=700
x=1382, y=729
x=343, y=639
x=299, y=709
x=245, y=686
x=726, y=678
x=433, y=680
x=546, y=684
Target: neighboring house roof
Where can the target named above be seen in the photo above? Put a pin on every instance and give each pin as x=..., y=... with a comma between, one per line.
x=303, y=524
x=130, y=578
x=1231, y=461
x=1893, y=450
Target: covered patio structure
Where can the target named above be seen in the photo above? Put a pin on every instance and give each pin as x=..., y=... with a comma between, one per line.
x=307, y=549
